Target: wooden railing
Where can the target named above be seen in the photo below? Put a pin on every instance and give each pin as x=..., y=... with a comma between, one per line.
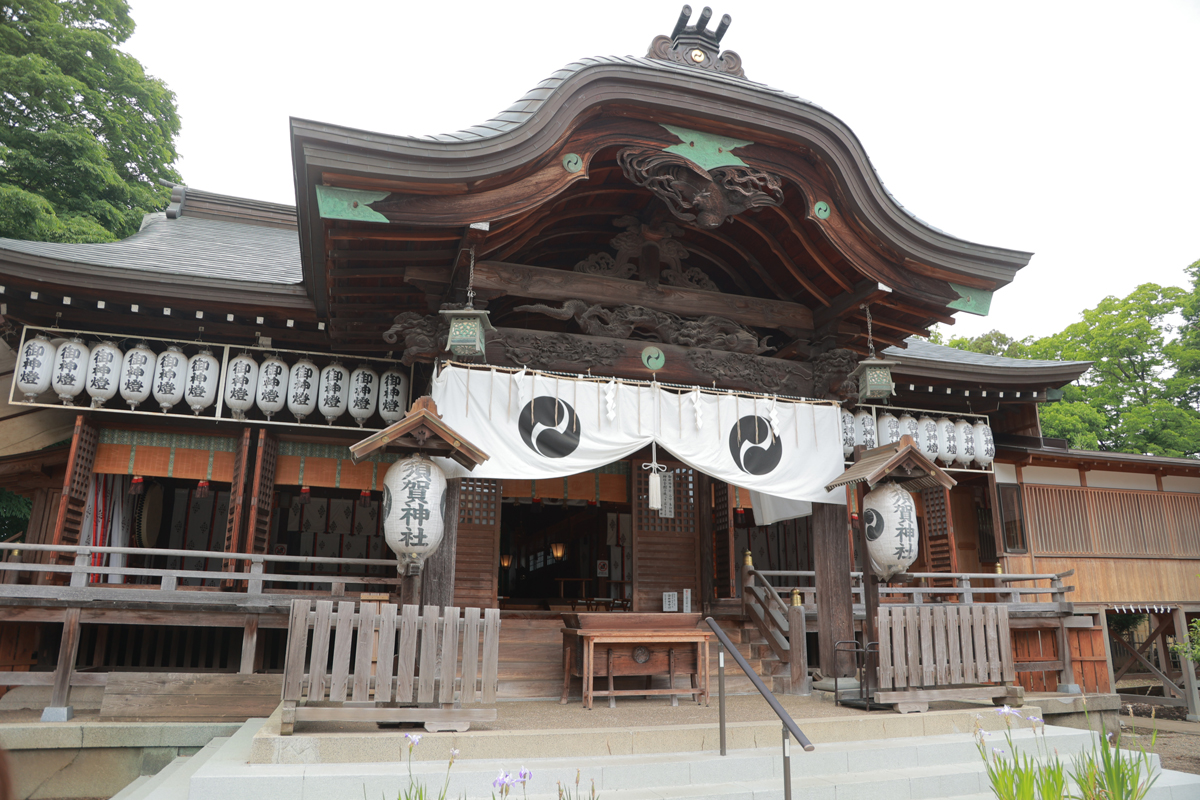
x=965, y=587
x=251, y=586
x=1069, y=520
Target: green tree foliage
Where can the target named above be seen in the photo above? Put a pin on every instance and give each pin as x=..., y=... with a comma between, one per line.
x=85, y=134
x=1142, y=394
x=14, y=514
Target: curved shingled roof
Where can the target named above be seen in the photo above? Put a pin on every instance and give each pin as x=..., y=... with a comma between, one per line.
x=925, y=359
x=520, y=111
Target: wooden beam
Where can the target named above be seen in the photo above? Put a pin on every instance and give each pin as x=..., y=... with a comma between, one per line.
x=863, y=292
x=798, y=231
x=391, y=255
x=683, y=365
x=437, y=586
x=554, y=284
x=785, y=259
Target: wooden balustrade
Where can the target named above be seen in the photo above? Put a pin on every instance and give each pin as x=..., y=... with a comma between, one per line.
x=164, y=584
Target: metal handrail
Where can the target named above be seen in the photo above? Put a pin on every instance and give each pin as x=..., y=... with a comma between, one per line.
x=790, y=728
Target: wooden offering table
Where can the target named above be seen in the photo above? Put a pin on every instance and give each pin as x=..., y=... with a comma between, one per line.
x=611, y=645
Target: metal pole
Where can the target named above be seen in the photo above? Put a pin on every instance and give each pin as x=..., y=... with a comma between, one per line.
x=787, y=764
x=721, y=691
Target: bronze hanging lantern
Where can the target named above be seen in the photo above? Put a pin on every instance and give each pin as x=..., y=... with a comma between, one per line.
x=874, y=375
x=468, y=325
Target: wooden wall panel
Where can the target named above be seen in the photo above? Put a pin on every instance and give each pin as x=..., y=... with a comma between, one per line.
x=1079, y=520
x=1125, y=580
x=477, y=552
x=666, y=551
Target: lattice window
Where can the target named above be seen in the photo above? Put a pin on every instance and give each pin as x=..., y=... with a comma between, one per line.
x=479, y=502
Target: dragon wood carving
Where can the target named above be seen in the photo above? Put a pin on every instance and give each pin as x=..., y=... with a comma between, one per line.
x=423, y=336
x=629, y=246
x=831, y=375
x=705, y=198
x=765, y=374
x=536, y=349
x=629, y=322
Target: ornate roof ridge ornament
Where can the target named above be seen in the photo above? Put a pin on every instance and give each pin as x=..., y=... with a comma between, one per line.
x=696, y=46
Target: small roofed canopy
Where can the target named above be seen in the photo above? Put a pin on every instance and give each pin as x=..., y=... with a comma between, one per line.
x=421, y=430
x=902, y=462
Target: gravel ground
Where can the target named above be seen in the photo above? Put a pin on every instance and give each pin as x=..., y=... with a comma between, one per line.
x=1178, y=751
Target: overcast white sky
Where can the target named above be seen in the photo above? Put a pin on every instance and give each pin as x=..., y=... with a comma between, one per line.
x=1070, y=129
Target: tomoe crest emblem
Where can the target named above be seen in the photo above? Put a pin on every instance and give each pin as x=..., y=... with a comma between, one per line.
x=549, y=427
x=754, y=447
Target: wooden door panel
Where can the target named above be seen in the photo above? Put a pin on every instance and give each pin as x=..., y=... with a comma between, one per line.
x=666, y=551
x=477, y=550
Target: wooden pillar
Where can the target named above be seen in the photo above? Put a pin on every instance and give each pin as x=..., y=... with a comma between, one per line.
x=1066, y=678
x=704, y=529
x=437, y=584
x=800, y=683
x=249, y=644
x=1164, y=658
x=68, y=649
x=1189, y=683
x=1102, y=618
x=831, y=556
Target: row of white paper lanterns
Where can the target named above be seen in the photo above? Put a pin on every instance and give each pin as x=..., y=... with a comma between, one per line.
x=103, y=371
x=943, y=439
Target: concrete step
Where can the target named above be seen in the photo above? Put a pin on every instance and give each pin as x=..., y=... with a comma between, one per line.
x=941, y=766
x=178, y=784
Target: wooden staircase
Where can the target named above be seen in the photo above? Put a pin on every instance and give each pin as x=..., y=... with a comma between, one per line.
x=531, y=658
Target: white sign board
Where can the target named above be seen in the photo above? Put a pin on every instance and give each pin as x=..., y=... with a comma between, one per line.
x=670, y=601
x=667, y=510
x=687, y=601
x=602, y=568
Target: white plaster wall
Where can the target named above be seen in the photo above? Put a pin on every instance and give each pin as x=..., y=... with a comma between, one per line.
x=1121, y=480
x=1005, y=473
x=1051, y=476
x=1178, y=483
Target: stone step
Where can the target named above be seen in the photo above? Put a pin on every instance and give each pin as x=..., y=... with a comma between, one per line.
x=128, y=791
x=148, y=783
x=177, y=785
x=912, y=767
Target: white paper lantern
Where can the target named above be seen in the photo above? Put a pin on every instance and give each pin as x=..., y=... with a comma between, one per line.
x=909, y=427
x=890, y=520
x=889, y=428
x=985, y=446
x=364, y=391
x=335, y=392
x=170, y=377
x=272, y=392
x=302, y=389
x=847, y=434
x=70, y=369
x=36, y=366
x=928, y=438
x=203, y=374
x=864, y=429
x=241, y=378
x=964, y=440
x=393, y=396
x=414, y=509
x=103, y=373
x=137, y=377
x=947, y=446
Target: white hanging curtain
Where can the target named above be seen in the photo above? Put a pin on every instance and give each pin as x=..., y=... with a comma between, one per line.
x=535, y=426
